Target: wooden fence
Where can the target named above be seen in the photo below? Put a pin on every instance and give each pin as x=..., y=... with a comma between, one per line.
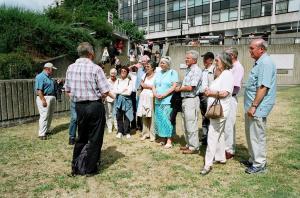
x=18, y=102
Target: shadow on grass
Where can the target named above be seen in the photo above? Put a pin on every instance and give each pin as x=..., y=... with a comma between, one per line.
x=59, y=128
x=109, y=156
x=241, y=153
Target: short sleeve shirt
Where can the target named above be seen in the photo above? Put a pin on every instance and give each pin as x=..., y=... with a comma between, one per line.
x=44, y=83
x=163, y=82
x=262, y=73
x=193, y=77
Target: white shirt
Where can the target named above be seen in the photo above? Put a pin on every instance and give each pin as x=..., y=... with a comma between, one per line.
x=123, y=87
x=223, y=83
x=207, y=77
x=133, y=77
x=111, y=84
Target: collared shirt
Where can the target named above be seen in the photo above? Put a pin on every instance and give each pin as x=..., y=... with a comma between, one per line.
x=262, y=73
x=86, y=81
x=123, y=86
x=139, y=75
x=193, y=77
x=44, y=83
x=238, y=74
x=207, y=77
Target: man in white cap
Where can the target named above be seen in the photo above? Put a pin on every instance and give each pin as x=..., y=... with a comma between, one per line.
x=45, y=90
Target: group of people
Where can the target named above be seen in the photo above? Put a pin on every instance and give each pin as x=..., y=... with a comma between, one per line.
x=151, y=96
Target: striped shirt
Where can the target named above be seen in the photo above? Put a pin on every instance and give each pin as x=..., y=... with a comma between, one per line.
x=86, y=81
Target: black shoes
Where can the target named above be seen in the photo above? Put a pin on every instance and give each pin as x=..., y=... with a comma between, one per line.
x=43, y=137
x=71, y=141
x=246, y=163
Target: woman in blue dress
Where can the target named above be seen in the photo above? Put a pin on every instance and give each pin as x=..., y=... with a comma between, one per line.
x=164, y=85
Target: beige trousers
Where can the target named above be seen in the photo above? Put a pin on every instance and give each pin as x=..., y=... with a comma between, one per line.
x=111, y=120
x=255, y=128
x=46, y=113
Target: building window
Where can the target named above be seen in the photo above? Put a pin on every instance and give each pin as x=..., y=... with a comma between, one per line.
x=256, y=8
x=294, y=5
x=281, y=6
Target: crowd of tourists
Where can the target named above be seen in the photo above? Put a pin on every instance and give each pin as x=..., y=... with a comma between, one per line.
x=147, y=95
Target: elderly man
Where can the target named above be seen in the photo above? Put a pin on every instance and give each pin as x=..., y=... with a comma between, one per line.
x=259, y=99
x=141, y=71
x=190, y=102
x=45, y=90
x=88, y=85
x=207, y=78
x=238, y=74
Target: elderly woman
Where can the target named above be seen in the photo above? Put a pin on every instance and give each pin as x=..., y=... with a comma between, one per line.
x=164, y=85
x=111, y=120
x=145, y=107
x=123, y=103
x=221, y=88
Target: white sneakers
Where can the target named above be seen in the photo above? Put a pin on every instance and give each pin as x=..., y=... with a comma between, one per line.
x=119, y=135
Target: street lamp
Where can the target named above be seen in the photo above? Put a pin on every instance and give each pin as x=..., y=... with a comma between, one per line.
x=184, y=27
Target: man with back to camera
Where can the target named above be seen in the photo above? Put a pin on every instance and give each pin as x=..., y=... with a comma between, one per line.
x=45, y=100
x=88, y=86
x=259, y=99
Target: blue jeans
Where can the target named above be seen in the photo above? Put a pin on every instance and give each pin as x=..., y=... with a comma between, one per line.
x=73, y=121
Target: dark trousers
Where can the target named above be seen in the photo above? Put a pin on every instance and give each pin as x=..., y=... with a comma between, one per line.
x=136, y=123
x=134, y=107
x=91, y=123
x=205, y=121
x=123, y=122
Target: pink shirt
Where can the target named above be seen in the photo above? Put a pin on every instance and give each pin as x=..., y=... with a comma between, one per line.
x=238, y=74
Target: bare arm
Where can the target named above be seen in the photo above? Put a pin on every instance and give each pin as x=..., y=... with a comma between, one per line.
x=216, y=94
x=43, y=99
x=260, y=94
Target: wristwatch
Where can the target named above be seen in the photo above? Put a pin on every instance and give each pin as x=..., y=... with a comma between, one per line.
x=253, y=105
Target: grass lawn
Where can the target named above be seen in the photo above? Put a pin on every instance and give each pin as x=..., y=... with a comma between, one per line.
x=30, y=167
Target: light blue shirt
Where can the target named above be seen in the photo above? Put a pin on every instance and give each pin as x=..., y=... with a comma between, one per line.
x=139, y=75
x=163, y=82
x=262, y=73
x=44, y=83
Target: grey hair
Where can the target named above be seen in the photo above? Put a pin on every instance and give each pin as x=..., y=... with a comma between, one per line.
x=225, y=59
x=113, y=71
x=261, y=43
x=167, y=60
x=194, y=54
x=84, y=49
x=233, y=51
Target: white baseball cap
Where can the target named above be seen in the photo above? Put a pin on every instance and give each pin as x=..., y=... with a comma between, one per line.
x=49, y=65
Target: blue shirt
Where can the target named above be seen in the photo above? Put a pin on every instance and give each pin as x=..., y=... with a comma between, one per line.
x=44, y=83
x=262, y=73
x=139, y=76
x=163, y=82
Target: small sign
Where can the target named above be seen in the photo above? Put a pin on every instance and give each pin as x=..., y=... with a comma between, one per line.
x=110, y=17
x=182, y=66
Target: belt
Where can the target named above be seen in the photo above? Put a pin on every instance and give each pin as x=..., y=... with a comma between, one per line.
x=89, y=101
x=233, y=94
x=189, y=97
x=48, y=95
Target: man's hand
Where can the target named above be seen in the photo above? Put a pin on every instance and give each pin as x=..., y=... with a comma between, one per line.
x=44, y=102
x=251, y=111
x=177, y=89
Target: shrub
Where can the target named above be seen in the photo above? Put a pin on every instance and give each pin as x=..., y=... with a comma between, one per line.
x=16, y=66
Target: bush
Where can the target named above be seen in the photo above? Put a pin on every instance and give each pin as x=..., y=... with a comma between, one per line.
x=36, y=34
x=16, y=66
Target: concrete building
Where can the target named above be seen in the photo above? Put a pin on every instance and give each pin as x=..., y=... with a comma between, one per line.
x=196, y=18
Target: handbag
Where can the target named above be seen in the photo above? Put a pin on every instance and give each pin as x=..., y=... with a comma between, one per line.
x=215, y=110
